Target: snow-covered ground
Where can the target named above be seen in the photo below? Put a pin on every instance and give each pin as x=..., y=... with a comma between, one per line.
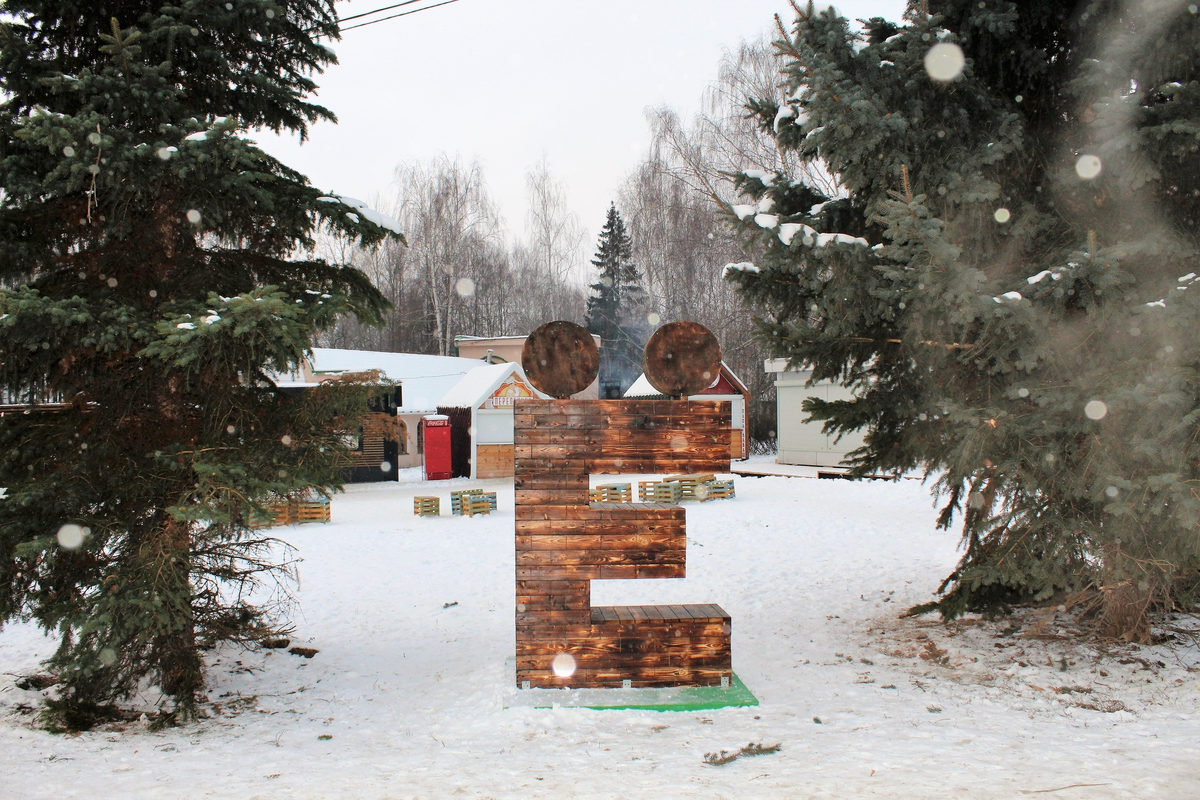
x=410, y=695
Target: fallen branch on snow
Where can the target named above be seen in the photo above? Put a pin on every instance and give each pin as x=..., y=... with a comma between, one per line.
x=751, y=749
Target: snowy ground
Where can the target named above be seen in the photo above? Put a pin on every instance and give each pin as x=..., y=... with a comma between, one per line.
x=407, y=696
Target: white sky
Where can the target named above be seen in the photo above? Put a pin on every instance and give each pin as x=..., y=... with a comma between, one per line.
x=504, y=81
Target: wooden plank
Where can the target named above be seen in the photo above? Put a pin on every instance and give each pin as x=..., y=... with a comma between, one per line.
x=566, y=572
x=553, y=587
x=657, y=676
x=652, y=613
x=654, y=541
x=526, y=464
x=601, y=558
x=552, y=603
x=639, y=513
x=559, y=632
x=554, y=616
x=565, y=496
x=617, y=572
x=494, y=461
x=550, y=480
x=563, y=442
x=679, y=612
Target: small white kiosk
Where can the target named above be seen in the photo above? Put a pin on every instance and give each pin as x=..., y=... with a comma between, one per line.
x=480, y=407
x=800, y=440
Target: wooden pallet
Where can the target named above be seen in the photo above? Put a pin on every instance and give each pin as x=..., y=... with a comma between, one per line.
x=563, y=543
x=718, y=490
x=611, y=493
x=293, y=513
x=659, y=492
x=456, y=499
x=476, y=504
x=312, y=511
x=689, y=485
x=427, y=506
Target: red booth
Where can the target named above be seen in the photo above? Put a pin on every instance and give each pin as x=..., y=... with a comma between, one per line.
x=436, y=428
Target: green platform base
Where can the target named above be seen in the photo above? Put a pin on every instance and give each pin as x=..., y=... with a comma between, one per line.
x=673, y=698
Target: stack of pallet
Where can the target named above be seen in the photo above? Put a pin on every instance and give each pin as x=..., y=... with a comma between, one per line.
x=458, y=504
x=476, y=504
x=611, y=493
x=427, y=506
x=293, y=512
x=659, y=492
x=313, y=510
x=563, y=543
x=691, y=487
x=719, y=490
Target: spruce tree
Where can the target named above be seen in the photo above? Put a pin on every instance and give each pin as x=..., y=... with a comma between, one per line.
x=1006, y=282
x=157, y=270
x=616, y=309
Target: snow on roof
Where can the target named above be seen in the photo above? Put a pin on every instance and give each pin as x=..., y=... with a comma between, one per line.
x=423, y=378
x=642, y=388
x=738, y=383
x=478, y=385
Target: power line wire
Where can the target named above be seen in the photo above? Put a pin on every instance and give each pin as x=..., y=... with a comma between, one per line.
x=394, y=16
x=378, y=10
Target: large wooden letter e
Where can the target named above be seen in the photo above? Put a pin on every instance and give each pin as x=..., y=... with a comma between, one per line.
x=563, y=542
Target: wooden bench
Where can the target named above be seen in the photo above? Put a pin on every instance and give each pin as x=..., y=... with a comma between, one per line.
x=427, y=506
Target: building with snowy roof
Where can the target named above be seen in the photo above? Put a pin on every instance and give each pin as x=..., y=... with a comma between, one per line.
x=799, y=439
x=480, y=408
x=390, y=437
x=727, y=386
x=497, y=349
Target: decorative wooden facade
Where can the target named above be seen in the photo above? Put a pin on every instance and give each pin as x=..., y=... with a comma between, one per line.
x=378, y=445
x=727, y=386
x=563, y=542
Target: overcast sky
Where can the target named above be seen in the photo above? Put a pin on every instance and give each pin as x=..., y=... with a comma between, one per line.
x=506, y=81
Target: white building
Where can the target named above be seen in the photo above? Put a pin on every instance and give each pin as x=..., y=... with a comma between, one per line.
x=799, y=440
x=480, y=407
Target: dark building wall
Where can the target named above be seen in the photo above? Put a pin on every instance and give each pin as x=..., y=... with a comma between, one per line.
x=460, y=440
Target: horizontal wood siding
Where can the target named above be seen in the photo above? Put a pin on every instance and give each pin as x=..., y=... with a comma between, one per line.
x=493, y=461
x=563, y=542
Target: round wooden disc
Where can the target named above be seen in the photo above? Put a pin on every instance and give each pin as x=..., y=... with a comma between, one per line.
x=560, y=358
x=682, y=358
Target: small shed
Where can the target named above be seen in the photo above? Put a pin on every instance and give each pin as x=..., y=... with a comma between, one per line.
x=800, y=440
x=727, y=386
x=480, y=408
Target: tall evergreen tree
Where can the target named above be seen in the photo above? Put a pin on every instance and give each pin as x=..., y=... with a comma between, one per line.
x=1007, y=283
x=616, y=309
x=158, y=271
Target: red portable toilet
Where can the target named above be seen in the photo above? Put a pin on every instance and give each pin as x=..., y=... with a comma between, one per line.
x=437, y=447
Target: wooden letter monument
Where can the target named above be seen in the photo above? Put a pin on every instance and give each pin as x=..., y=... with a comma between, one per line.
x=563, y=542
